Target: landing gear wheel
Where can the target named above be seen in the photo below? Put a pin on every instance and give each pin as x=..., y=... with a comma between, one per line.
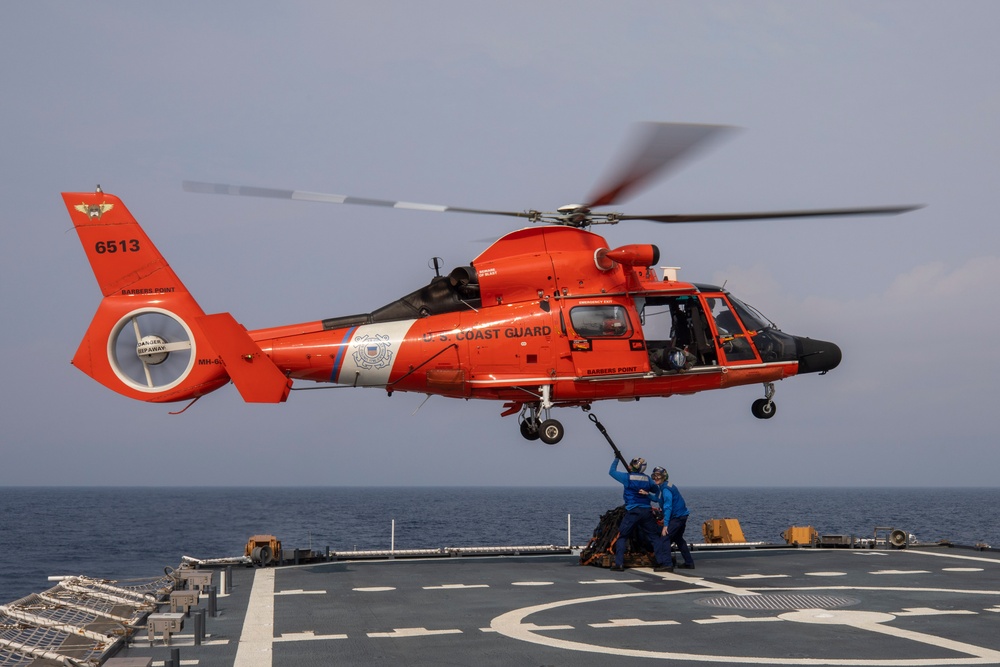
x=763, y=408
x=529, y=431
x=551, y=431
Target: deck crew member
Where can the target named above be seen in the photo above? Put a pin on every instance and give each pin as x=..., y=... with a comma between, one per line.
x=675, y=515
x=638, y=491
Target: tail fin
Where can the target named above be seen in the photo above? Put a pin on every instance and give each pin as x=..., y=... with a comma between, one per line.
x=144, y=341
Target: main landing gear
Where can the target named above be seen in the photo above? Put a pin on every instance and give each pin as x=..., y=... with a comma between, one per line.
x=764, y=408
x=534, y=427
x=549, y=431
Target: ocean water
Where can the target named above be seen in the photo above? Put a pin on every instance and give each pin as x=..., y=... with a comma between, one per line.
x=131, y=532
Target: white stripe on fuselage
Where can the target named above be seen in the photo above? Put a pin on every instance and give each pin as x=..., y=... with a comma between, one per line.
x=371, y=353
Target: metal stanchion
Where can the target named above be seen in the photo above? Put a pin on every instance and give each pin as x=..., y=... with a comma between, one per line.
x=199, y=627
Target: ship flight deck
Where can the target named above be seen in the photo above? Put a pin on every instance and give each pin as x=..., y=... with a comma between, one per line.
x=919, y=605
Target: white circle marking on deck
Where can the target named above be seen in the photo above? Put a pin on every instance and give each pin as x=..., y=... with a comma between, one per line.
x=512, y=624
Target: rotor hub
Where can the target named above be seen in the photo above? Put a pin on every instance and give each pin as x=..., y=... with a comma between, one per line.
x=574, y=215
x=152, y=349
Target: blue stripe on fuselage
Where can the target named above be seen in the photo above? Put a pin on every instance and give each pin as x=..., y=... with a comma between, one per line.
x=340, y=354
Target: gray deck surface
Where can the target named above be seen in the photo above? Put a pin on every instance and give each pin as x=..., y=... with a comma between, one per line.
x=927, y=606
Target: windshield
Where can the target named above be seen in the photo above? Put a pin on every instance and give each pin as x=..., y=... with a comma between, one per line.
x=752, y=318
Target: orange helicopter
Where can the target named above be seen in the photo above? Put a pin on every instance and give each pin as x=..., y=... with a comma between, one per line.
x=547, y=316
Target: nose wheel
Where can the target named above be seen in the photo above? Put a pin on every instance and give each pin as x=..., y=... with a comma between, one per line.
x=764, y=408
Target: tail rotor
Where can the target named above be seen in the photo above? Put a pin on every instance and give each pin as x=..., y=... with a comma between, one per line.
x=151, y=349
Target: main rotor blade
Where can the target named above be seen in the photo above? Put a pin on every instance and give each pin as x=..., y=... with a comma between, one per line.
x=763, y=215
x=654, y=147
x=301, y=195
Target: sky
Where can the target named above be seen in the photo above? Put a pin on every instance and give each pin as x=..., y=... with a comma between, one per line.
x=511, y=106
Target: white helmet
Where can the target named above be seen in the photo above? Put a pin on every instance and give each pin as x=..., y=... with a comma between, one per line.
x=637, y=465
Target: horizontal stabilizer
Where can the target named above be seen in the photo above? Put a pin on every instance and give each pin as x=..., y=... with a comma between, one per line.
x=256, y=377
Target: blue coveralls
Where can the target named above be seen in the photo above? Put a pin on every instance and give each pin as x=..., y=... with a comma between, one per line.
x=638, y=513
x=675, y=515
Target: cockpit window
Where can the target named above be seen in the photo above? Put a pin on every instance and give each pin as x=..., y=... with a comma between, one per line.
x=732, y=341
x=600, y=321
x=752, y=318
x=725, y=321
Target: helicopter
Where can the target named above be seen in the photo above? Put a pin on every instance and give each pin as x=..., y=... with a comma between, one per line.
x=547, y=316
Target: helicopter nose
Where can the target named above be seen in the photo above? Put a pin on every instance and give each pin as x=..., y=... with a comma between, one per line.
x=816, y=356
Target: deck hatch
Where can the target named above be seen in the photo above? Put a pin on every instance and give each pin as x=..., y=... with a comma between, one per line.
x=768, y=602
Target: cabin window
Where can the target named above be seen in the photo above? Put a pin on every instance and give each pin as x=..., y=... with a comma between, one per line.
x=600, y=321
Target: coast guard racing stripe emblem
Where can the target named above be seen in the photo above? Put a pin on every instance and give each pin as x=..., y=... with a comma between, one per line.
x=372, y=351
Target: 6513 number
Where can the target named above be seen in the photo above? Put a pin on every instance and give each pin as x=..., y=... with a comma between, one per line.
x=102, y=247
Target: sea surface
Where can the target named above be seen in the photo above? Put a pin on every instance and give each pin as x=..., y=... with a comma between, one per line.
x=134, y=533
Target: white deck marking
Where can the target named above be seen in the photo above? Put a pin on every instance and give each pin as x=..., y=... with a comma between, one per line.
x=900, y=572
x=905, y=589
x=454, y=587
x=630, y=623
x=536, y=628
x=703, y=583
x=512, y=624
x=824, y=574
x=928, y=611
x=962, y=569
x=612, y=581
x=733, y=618
x=256, y=639
x=876, y=622
x=374, y=589
x=306, y=636
x=981, y=559
x=757, y=576
x=299, y=591
x=398, y=633
x=531, y=583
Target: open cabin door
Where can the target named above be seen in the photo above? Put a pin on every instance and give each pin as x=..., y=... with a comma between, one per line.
x=691, y=331
x=678, y=335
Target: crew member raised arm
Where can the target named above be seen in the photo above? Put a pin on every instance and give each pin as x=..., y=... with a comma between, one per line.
x=637, y=493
